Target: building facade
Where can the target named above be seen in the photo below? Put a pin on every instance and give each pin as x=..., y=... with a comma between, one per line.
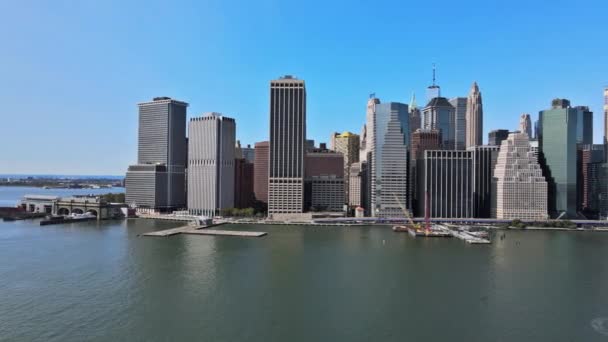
x=440, y=115
x=243, y=183
x=389, y=166
x=354, y=184
x=415, y=115
x=606, y=117
x=324, y=177
x=484, y=162
x=347, y=143
x=519, y=186
x=161, y=142
x=460, y=122
x=444, y=184
x=211, y=173
x=525, y=125
x=260, y=171
x=287, y=146
x=474, y=117
x=590, y=159
x=496, y=137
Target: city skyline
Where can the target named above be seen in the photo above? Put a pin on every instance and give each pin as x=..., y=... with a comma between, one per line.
x=63, y=77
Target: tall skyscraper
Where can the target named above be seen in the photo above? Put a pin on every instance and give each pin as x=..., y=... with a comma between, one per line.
x=558, y=155
x=415, y=115
x=354, y=184
x=243, y=183
x=496, y=137
x=440, y=115
x=347, y=143
x=474, y=117
x=460, y=122
x=584, y=125
x=433, y=90
x=525, y=125
x=211, y=147
x=260, y=171
x=484, y=162
x=445, y=177
x=157, y=182
x=606, y=116
x=389, y=188
x=287, y=146
x=591, y=158
x=518, y=186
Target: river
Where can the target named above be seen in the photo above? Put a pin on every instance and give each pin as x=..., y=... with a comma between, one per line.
x=100, y=281
x=10, y=195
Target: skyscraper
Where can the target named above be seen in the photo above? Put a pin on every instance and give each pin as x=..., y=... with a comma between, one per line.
x=590, y=160
x=440, y=115
x=157, y=182
x=525, y=125
x=484, y=162
x=324, y=182
x=558, y=155
x=347, y=143
x=415, y=115
x=460, y=122
x=606, y=116
x=584, y=125
x=445, y=177
x=421, y=141
x=474, y=117
x=260, y=171
x=519, y=187
x=433, y=90
x=496, y=137
x=389, y=159
x=287, y=146
x=211, y=146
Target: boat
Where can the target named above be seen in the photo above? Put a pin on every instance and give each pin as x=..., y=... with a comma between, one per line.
x=401, y=228
x=58, y=219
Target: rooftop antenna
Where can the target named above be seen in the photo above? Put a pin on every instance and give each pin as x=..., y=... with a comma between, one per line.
x=434, y=74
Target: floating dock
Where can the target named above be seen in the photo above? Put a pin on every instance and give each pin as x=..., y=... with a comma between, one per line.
x=224, y=233
x=469, y=238
x=202, y=230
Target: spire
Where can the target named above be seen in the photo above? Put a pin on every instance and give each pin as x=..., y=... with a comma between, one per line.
x=413, y=102
x=474, y=87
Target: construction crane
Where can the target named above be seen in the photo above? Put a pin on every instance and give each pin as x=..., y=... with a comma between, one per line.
x=406, y=212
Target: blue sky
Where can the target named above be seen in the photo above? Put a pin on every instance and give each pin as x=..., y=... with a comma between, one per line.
x=72, y=72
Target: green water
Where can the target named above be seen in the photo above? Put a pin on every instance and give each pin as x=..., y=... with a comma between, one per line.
x=101, y=282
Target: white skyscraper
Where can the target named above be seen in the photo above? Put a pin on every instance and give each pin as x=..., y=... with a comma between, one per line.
x=474, y=118
x=525, y=125
x=211, y=153
x=519, y=187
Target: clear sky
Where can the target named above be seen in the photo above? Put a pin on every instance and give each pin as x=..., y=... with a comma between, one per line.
x=72, y=72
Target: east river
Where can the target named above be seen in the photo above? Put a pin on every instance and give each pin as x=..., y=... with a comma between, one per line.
x=102, y=282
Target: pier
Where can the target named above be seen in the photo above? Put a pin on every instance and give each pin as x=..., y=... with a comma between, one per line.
x=202, y=230
x=469, y=238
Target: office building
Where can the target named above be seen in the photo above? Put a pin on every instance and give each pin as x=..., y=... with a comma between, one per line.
x=558, y=155
x=421, y=141
x=518, y=185
x=484, y=162
x=460, y=122
x=415, y=115
x=389, y=175
x=354, y=184
x=324, y=178
x=525, y=125
x=474, y=117
x=243, y=183
x=439, y=115
x=444, y=184
x=584, y=125
x=260, y=171
x=211, y=147
x=346, y=143
x=247, y=153
x=590, y=159
x=433, y=90
x=287, y=146
x=157, y=182
x=496, y=137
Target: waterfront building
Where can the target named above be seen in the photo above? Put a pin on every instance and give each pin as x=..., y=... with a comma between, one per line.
x=354, y=184
x=211, y=173
x=590, y=159
x=439, y=115
x=519, y=187
x=484, y=162
x=496, y=137
x=602, y=191
x=260, y=171
x=324, y=178
x=157, y=181
x=421, y=141
x=525, y=125
x=346, y=143
x=460, y=121
x=474, y=117
x=389, y=165
x=415, y=115
x=287, y=146
x=562, y=128
x=243, y=183
x=444, y=184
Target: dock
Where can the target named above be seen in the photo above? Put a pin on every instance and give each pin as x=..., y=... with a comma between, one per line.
x=469, y=238
x=224, y=233
x=203, y=230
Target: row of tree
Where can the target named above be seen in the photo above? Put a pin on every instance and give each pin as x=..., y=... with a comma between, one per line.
x=549, y=224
